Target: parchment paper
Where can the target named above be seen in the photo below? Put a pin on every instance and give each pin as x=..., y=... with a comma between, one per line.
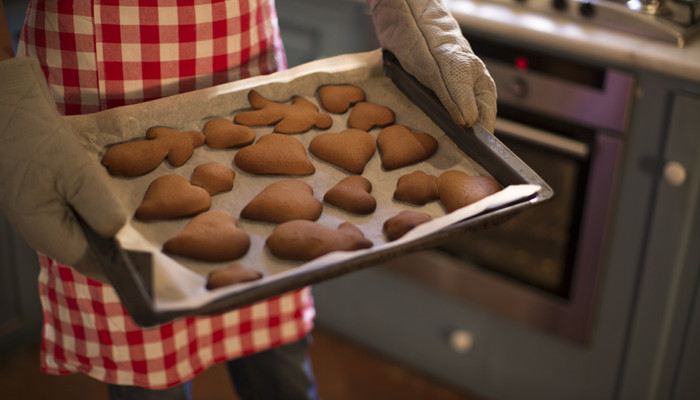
x=179, y=283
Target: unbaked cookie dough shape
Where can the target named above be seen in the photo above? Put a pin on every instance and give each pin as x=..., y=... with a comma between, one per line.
x=221, y=133
x=302, y=240
x=298, y=117
x=400, y=146
x=138, y=157
x=352, y=194
x=366, y=116
x=210, y=236
x=339, y=98
x=350, y=149
x=284, y=201
x=172, y=196
x=275, y=154
x=458, y=189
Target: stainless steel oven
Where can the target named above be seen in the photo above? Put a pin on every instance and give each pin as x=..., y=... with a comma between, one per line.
x=568, y=121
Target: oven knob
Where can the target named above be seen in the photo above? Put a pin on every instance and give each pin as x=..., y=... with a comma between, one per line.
x=586, y=9
x=518, y=88
x=560, y=5
x=675, y=173
x=461, y=340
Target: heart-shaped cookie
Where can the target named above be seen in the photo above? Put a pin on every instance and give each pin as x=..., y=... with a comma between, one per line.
x=302, y=240
x=400, y=146
x=210, y=236
x=284, y=201
x=220, y=133
x=172, y=196
x=366, y=116
x=275, y=154
x=417, y=188
x=352, y=194
x=401, y=223
x=338, y=98
x=213, y=177
x=350, y=149
x=298, y=117
x=458, y=189
x=230, y=275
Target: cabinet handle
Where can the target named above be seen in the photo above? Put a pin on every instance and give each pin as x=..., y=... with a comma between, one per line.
x=675, y=173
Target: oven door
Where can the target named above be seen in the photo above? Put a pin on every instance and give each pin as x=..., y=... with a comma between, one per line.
x=540, y=267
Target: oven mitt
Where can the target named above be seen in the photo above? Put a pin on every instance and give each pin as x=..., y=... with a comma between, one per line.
x=46, y=176
x=429, y=45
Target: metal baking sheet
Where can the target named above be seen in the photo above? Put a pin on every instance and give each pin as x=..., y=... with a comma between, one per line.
x=157, y=288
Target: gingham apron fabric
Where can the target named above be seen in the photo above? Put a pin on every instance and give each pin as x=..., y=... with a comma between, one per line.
x=101, y=54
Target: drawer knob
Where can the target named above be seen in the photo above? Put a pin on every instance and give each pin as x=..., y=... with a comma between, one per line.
x=461, y=340
x=675, y=173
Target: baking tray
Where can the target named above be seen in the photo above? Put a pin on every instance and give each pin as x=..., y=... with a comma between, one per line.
x=132, y=272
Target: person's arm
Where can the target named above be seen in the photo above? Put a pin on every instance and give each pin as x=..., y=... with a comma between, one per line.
x=6, y=50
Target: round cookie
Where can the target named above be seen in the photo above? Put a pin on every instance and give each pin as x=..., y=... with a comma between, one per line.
x=275, y=154
x=302, y=240
x=350, y=149
x=366, y=116
x=213, y=177
x=400, y=146
x=458, y=189
x=338, y=98
x=210, y=236
x=220, y=133
x=231, y=275
x=284, y=201
x=172, y=196
x=417, y=188
x=352, y=194
x=398, y=225
x=298, y=117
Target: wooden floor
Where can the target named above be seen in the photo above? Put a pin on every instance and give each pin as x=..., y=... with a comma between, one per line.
x=343, y=371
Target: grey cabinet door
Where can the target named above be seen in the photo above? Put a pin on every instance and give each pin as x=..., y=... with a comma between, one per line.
x=20, y=313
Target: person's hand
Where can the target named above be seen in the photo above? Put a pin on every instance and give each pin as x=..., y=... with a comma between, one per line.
x=46, y=177
x=429, y=45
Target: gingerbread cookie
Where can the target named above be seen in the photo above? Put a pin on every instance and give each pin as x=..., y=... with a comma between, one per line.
x=302, y=240
x=398, y=225
x=139, y=157
x=284, y=201
x=417, y=188
x=366, y=116
x=210, y=236
x=458, y=189
x=298, y=117
x=350, y=149
x=400, y=146
x=338, y=98
x=352, y=194
x=220, y=133
x=231, y=275
x=172, y=196
x=275, y=154
x=213, y=177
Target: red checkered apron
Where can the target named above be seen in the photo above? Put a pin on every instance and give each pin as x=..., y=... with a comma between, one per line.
x=105, y=53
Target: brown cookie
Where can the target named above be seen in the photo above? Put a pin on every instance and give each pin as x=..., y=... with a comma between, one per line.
x=284, y=201
x=213, y=177
x=298, y=117
x=398, y=225
x=172, y=196
x=220, y=133
x=458, y=189
x=400, y=146
x=352, y=194
x=366, y=116
x=210, y=236
x=302, y=240
x=417, y=188
x=338, y=98
x=231, y=275
x=275, y=154
x=350, y=149
x=139, y=157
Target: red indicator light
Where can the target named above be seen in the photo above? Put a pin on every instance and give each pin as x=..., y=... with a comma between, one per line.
x=521, y=63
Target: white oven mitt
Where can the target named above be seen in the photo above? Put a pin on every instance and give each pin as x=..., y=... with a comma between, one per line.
x=46, y=176
x=429, y=45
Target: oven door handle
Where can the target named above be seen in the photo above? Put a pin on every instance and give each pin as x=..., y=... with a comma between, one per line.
x=542, y=138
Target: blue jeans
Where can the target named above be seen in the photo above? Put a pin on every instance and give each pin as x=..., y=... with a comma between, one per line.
x=282, y=372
